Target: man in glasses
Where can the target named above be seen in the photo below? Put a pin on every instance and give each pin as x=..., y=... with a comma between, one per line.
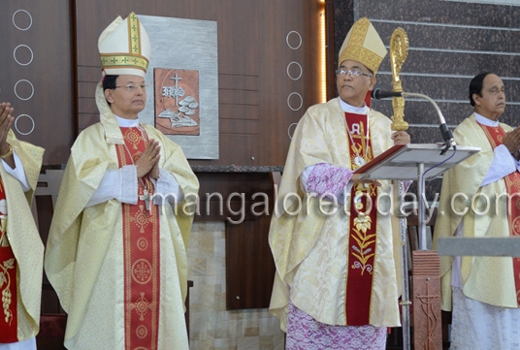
x=335, y=286
x=115, y=257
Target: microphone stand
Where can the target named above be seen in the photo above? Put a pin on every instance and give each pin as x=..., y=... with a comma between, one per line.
x=447, y=136
x=445, y=132
x=448, y=143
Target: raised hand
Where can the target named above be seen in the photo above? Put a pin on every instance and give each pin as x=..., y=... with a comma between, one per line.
x=6, y=121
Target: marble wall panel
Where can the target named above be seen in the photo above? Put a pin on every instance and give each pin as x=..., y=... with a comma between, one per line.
x=450, y=37
x=514, y=16
x=423, y=114
x=343, y=20
x=436, y=11
x=456, y=63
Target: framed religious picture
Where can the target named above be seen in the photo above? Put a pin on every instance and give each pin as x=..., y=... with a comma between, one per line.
x=177, y=101
x=182, y=77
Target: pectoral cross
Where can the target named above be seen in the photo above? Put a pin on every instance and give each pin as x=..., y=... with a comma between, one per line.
x=146, y=198
x=364, y=141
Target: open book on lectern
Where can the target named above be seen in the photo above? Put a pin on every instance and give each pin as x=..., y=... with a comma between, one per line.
x=401, y=162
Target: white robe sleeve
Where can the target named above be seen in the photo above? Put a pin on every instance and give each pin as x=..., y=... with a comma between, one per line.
x=503, y=164
x=18, y=172
x=120, y=184
x=167, y=187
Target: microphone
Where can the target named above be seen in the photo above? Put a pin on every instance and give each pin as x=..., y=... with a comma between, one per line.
x=379, y=94
x=447, y=136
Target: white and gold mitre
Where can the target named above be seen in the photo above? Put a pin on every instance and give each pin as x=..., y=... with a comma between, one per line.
x=124, y=47
x=364, y=45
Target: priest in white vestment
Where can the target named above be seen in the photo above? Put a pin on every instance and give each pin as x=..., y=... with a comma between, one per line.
x=21, y=248
x=116, y=252
x=483, y=292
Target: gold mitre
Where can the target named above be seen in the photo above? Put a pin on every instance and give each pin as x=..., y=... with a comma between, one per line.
x=124, y=47
x=363, y=45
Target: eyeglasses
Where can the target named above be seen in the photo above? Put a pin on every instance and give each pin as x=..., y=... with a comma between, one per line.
x=352, y=73
x=132, y=87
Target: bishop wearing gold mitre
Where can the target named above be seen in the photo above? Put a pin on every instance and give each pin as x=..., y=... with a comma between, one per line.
x=336, y=282
x=21, y=248
x=116, y=253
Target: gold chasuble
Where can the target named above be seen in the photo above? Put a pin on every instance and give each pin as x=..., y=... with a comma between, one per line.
x=492, y=280
x=363, y=224
x=141, y=252
x=21, y=249
x=119, y=266
x=339, y=263
x=512, y=182
x=120, y=270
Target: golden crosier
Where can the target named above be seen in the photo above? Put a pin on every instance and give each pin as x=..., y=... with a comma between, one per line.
x=398, y=54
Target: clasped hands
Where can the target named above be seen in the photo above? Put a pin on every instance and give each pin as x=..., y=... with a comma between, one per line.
x=148, y=162
x=512, y=141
